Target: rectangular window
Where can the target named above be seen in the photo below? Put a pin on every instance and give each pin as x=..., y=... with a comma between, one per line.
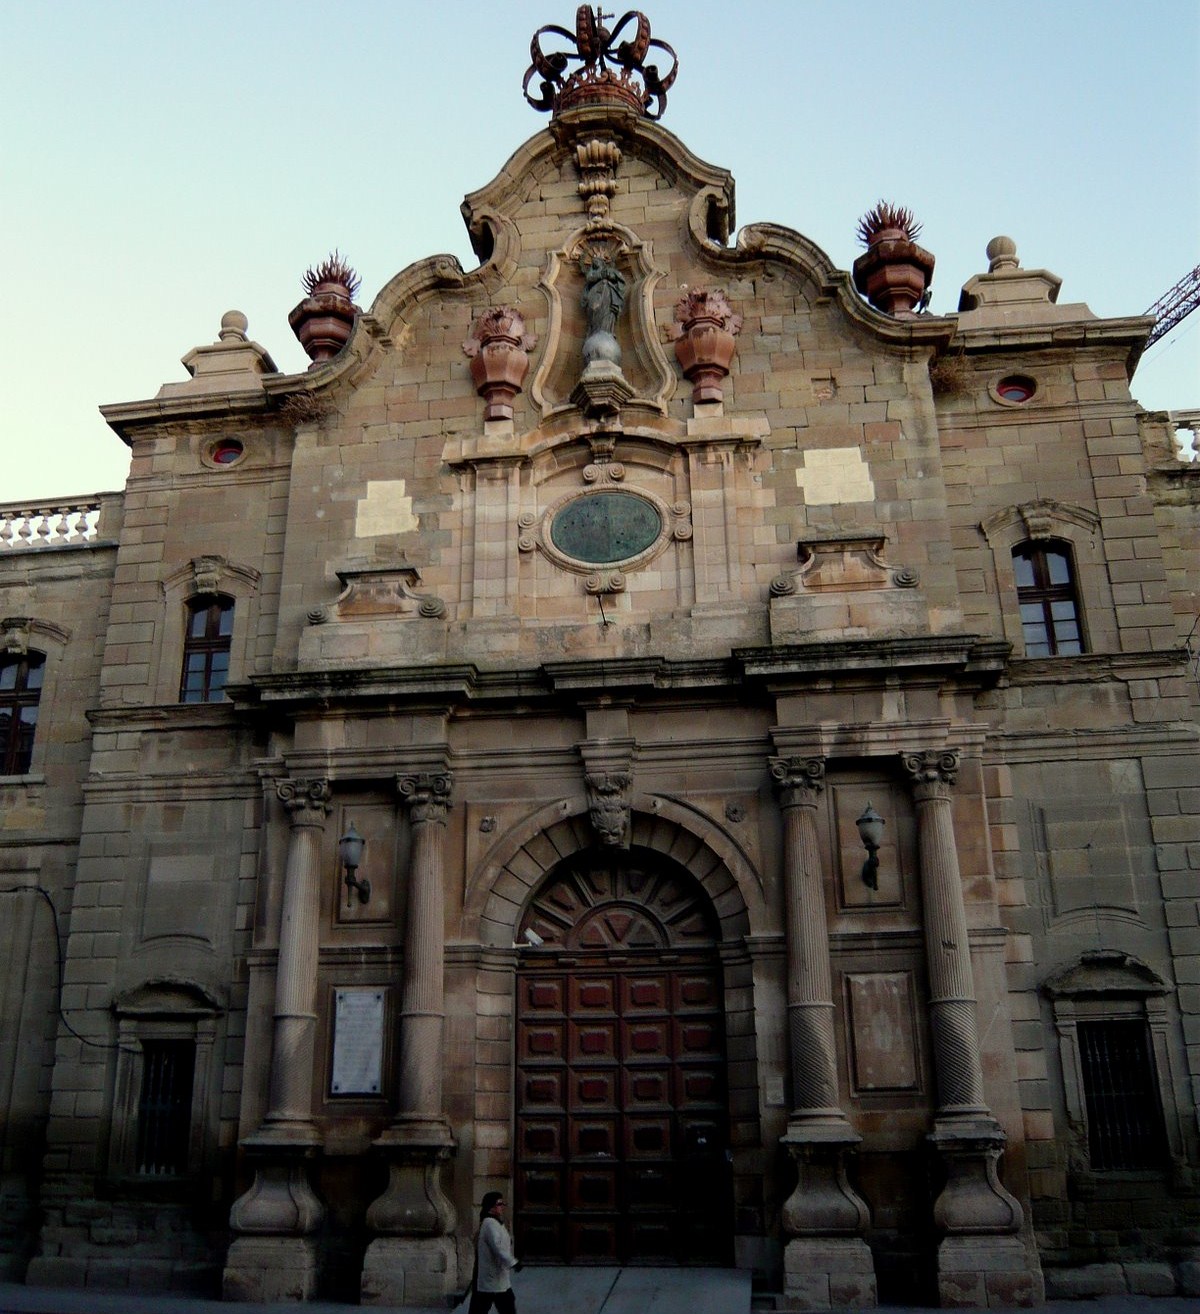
x=165, y=1107
x=1125, y=1129
x=1048, y=600
x=206, y=648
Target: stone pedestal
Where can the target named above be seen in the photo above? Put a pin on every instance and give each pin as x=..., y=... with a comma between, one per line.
x=827, y=1264
x=263, y=1269
x=988, y=1272
x=408, y=1270
x=828, y=1272
x=413, y=1261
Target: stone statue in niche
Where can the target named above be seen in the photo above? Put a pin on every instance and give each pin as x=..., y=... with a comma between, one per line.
x=602, y=300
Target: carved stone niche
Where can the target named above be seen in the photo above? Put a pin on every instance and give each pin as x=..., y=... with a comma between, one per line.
x=370, y=590
x=822, y=595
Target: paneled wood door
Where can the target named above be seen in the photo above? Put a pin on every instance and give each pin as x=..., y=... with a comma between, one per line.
x=622, y=1116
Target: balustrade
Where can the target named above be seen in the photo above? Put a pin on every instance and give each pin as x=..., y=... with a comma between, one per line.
x=49, y=524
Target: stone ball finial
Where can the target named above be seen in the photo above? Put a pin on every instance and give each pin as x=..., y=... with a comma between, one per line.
x=233, y=326
x=1002, y=252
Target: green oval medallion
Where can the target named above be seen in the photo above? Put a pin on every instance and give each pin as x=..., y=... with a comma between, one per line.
x=605, y=527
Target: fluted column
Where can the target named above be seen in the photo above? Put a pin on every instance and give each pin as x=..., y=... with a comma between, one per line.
x=952, y=1016
x=421, y=1008
x=799, y=782
x=274, y=1257
x=980, y=1259
x=412, y=1260
x=826, y=1261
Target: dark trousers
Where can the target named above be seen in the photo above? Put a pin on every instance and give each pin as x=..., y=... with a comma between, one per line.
x=482, y=1301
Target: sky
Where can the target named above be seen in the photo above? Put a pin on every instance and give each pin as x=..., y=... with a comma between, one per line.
x=162, y=163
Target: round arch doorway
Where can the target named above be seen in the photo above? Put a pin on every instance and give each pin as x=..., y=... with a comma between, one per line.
x=622, y=1117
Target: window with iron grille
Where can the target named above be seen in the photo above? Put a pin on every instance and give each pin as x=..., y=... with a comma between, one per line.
x=1049, y=602
x=1125, y=1128
x=206, y=648
x=20, y=692
x=165, y=1108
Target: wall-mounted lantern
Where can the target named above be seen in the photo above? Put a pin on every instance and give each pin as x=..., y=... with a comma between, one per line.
x=870, y=831
x=350, y=852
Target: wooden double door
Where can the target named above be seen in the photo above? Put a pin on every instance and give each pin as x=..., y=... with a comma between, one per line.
x=622, y=1114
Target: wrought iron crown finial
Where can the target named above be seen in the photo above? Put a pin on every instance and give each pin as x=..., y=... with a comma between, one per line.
x=607, y=66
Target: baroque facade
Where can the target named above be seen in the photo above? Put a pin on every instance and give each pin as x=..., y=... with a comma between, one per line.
x=655, y=725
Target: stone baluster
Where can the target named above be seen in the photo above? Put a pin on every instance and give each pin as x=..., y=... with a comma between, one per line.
x=980, y=1260
x=412, y=1260
x=826, y=1261
x=274, y=1256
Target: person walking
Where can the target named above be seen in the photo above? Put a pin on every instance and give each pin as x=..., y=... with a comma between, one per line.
x=494, y=1260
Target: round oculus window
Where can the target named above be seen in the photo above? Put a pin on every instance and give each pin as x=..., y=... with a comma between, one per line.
x=604, y=528
x=1016, y=388
x=226, y=452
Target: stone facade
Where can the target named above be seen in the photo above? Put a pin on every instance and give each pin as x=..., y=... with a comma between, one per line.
x=603, y=653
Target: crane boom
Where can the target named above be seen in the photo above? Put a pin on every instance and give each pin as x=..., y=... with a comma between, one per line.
x=1175, y=306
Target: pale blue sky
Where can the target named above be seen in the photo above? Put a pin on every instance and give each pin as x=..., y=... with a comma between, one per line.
x=163, y=163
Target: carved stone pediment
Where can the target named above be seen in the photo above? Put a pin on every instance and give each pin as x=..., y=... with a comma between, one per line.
x=842, y=563
x=370, y=590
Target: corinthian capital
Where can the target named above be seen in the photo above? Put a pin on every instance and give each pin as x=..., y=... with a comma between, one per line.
x=932, y=773
x=307, y=801
x=427, y=794
x=799, y=780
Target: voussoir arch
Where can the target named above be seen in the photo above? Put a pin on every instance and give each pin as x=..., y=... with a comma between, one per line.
x=529, y=851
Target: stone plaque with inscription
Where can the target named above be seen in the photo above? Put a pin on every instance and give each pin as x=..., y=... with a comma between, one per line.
x=357, y=1041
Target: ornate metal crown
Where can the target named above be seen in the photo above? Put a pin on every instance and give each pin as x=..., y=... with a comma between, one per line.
x=606, y=72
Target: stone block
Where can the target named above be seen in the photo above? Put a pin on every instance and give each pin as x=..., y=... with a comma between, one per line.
x=56, y=1271
x=270, y=1268
x=1188, y=1273
x=828, y=1272
x=1148, y=1279
x=409, y=1271
x=1085, y=1282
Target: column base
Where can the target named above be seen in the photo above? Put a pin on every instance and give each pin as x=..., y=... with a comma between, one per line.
x=988, y=1272
x=828, y=1272
x=409, y=1271
x=270, y=1268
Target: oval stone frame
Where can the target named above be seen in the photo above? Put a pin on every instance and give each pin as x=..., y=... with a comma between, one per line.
x=664, y=514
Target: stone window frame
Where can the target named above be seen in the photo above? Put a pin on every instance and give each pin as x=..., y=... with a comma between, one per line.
x=206, y=645
x=163, y=1009
x=1108, y=985
x=206, y=576
x=1045, y=595
x=1038, y=522
x=19, y=636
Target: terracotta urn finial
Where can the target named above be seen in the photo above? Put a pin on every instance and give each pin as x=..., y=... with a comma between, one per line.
x=894, y=273
x=498, y=351
x=704, y=331
x=324, y=319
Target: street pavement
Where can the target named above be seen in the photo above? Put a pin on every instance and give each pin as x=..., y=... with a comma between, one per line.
x=539, y=1291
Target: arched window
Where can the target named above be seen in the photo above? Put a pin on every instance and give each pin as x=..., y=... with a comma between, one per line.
x=1048, y=598
x=20, y=691
x=206, y=649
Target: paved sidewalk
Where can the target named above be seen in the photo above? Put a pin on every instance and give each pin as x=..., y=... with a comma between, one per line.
x=540, y=1291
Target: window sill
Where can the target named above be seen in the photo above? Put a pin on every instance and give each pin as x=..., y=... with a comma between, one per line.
x=17, y=782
